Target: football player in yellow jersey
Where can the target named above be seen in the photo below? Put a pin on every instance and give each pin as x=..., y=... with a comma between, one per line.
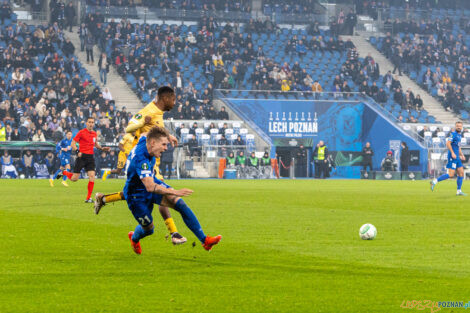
x=151, y=115
x=125, y=146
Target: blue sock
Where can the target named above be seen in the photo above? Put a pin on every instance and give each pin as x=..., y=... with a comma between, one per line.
x=459, y=182
x=443, y=177
x=140, y=233
x=190, y=219
x=57, y=173
x=64, y=178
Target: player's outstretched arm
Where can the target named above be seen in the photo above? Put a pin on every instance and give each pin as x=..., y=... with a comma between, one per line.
x=99, y=147
x=152, y=187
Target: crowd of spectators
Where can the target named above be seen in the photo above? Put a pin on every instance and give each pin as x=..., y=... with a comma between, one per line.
x=205, y=5
x=436, y=55
x=117, y=3
x=196, y=61
x=44, y=91
x=148, y=57
x=289, y=6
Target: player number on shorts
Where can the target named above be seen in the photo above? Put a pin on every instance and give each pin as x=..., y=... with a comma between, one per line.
x=144, y=220
x=454, y=165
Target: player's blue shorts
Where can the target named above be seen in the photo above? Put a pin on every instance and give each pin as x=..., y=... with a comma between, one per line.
x=64, y=160
x=141, y=205
x=454, y=164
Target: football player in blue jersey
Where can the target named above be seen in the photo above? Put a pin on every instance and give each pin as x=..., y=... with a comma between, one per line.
x=143, y=190
x=64, y=151
x=454, y=160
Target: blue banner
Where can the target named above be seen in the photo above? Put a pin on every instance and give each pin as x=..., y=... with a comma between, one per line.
x=342, y=125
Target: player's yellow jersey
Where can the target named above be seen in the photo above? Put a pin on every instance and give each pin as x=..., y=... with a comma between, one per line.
x=127, y=143
x=137, y=123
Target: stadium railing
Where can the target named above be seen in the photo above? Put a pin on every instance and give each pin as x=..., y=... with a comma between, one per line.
x=195, y=15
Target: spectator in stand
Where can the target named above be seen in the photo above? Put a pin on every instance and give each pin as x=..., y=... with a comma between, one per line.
x=70, y=15
x=223, y=115
x=166, y=164
x=103, y=67
x=89, y=44
x=194, y=149
x=28, y=164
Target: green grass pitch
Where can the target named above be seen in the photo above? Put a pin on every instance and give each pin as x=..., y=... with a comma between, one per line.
x=288, y=246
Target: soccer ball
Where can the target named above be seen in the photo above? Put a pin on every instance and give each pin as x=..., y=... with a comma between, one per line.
x=367, y=232
x=22, y=176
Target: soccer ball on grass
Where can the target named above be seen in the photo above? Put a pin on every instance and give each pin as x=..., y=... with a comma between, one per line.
x=367, y=232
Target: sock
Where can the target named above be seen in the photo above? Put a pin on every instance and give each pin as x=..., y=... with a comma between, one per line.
x=190, y=219
x=57, y=173
x=140, y=233
x=113, y=197
x=91, y=184
x=170, y=224
x=68, y=174
x=443, y=177
x=64, y=178
x=459, y=182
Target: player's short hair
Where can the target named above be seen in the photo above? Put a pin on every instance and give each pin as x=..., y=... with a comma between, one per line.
x=90, y=118
x=458, y=122
x=165, y=90
x=157, y=133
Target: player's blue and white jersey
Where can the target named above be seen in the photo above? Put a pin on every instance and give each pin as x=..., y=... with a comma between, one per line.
x=455, y=138
x=64, y=156
x=64, y=144
x=139, y=165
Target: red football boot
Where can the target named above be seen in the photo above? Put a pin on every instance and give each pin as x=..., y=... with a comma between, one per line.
x=135, y=245
x=211, y=241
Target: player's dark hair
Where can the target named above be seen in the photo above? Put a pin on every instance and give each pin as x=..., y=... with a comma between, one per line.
x=157, y=133
x=165, y=90
x=458, y=122
x=90, y=118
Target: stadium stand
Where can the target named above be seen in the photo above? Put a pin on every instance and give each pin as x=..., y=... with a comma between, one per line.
x=434, y=53
x=43, y=87
x=289, y=60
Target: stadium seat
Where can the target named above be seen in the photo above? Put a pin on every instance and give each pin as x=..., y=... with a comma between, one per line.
x=185, y=135
x=205, y=139
x=199, y=132
x=250, y=142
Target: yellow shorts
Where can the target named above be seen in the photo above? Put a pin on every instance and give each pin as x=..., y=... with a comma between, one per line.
x=121, y=160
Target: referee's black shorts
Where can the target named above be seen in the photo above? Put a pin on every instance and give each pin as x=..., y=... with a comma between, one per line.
x=86, y=161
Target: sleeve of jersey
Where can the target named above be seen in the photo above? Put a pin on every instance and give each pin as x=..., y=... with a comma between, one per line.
x=143, y=168
x=136, y=122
